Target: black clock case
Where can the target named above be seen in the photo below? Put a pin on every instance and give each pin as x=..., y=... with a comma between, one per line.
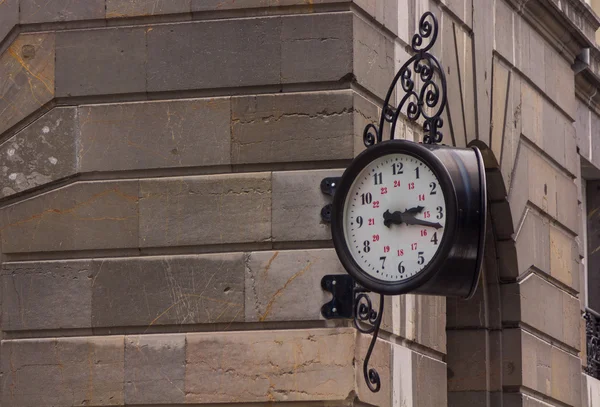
x=458, y=274
x=454, y=270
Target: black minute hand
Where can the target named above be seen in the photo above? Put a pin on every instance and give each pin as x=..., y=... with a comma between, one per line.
x=411, y=220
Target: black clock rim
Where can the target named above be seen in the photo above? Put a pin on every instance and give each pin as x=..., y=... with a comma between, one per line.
x=337, y=223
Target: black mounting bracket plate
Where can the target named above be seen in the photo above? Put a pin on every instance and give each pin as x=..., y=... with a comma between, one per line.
x=341, y=287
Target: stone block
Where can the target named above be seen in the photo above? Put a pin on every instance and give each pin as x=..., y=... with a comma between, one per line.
x=467, y=362
x=421, y=319
x=463, y=10
x=381, y=360
x=134, y=8
x=292, y=127
x=261, y=366
x=26, y=77
x=560, y=86
x=542, y=186
x=467, y=313
x=80, y=216
x=168, y=290
x=132, y=136
x=540, y=366
x=554, y=125
x=544, y=307
x=46, y=11
x=212, y=209
x=504, y=32
x=483, y=20
x=595, y=142
x=316, y=48
x=101, y=61
x=46, y=295
x=255, y=41
x=567, y=203
x=286, y=285
x=571, y=153
x=532, y=113
x=63, y=372
x=533, y=243
x=297, y=204
x=428, y=373
x=9, y=17
x=374, y=57
x=41, y=153
x=218, y=5
x=365, y=112
x=536, y=55
x=563, y=254
x=155, y=369
x=519, y=186
x=512, y=131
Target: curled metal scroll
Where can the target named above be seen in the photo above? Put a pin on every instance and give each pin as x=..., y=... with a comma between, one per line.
x=428, y=102
x=366, y=313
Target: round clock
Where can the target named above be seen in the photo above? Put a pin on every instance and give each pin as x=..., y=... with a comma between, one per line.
x=396, y=219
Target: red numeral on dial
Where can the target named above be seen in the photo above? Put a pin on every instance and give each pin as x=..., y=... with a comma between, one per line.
x=424, y=232
x=383, y=191
x=421, y=197
x=376, y=204
x=400, y=252
x=411, y=185
x=376, y=238
x=396, y=184
x=413, y=246
x=386, y=249
x=427, y=214
x=371, y=221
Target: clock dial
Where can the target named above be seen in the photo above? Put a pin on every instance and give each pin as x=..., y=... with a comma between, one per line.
x=394, y=217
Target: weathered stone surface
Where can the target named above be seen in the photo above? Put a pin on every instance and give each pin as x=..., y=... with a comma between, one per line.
x=265, y=366
x=500, y=83
x=365, y=112
x=63, y=372
x=297, y=204
x=132, y=8
x=292, y=127
x=155, y=369
x=536, y=364
x=39, y=154
x=483, y=20
x=421, y=319
x=129, y=136
x=316, y=47
x=373, y=57
x=560, y=86
x=504, y=33
x=45, y=11
x=9, y=16
x=542, y=183
x=538, y=303
x=100, y=62
x=46, y=295
x=567, y=205
x=467, y=369
x=169, y=290
x=286, y=285
x=533, y=243
x=215, y=5
x=255, y=41
x=427, y=374
x=26, y=77
x=205, y=210
x=590, y=391
x=583, y=128
x=80, y=216
x=563, y=258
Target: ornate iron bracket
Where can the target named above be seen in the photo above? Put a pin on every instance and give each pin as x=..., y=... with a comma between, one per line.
x=428, y=102
x=352, y=301
x=328, y=186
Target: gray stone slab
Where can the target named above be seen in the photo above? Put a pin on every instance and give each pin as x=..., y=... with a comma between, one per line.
x=214, y=54
x=41, y=153
x=533, y=243
x=292, y=127
x=155, y=369
x=168, y=290
x=9, y=16
x=218, y=5
x=316, y=47
x=504, y=33
x=133, y=8
x=427, y=374
x=46, y=11
x=583, y=128
x=286, y=285
x=144, y=135
x=80, y=216
x=200, y=210
x=63, y=372
x=297, y=204
x=46, y=295
x=100, y=61
x=266, y=366
x=467, y=360
x=26, y=77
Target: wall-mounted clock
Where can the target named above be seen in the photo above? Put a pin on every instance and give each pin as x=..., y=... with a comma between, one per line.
x=410, y=217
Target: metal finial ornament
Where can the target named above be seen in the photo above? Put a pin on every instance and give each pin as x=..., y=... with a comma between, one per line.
x=429, y=101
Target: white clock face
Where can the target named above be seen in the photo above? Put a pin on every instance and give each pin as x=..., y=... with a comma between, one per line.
x=394, y=217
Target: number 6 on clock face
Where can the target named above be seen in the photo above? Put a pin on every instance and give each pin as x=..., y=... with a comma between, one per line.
x=392, y=213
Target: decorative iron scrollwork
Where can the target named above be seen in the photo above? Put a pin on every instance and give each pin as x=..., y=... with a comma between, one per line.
x=429, y=101
x=592, y=333
x=366, y=313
